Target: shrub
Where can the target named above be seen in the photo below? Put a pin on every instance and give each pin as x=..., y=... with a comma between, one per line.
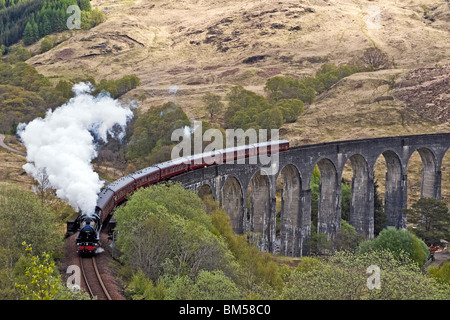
x=398, y=241
x=46, y=44
x=441, y=273
x=164, y=230
x=344, y=276
x=375, y=58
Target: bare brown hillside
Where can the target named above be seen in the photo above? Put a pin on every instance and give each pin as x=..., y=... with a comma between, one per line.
x=182, y=49
x=427, y=92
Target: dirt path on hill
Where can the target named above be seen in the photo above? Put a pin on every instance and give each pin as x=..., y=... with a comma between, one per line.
x=3, y=145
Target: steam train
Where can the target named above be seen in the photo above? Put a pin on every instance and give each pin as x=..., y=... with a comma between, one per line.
x=89, y=226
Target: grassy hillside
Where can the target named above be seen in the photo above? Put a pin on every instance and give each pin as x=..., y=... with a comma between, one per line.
x=182, y=49
x=200, y=46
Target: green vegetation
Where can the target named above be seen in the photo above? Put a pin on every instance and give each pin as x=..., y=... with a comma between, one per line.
x=247, y=109
x=32, y=20
x=37, y=278
x=174, y=246
x=150, y=141
x=165, y=234
x=26, y=94
x=212, y=103
x=117, y=87
x=53, y=16
x=431, y=220
x=284, y=101
x=24, y=219
x=441, y=273
x=344, y=277
x=400, y=242
x=14, y=16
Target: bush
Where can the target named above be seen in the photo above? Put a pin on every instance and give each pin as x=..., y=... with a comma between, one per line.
x=255, y=268
x=287, y=87
x=398, y=241
x=164, y=230
x=347, y=237
x=118, y=87
x=152, y=131
x=441, y=273
x=329, y=74
x=290, y=108
x=46, y=44
x=431, y=220
x=374, y=58
x=344, y=276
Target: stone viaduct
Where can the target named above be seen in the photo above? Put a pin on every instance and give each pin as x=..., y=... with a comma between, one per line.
x=248, y=195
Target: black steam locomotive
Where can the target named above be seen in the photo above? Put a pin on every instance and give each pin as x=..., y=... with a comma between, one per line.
x=88, y=239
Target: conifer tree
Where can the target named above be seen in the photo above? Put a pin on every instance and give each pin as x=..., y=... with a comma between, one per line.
x=28, y=36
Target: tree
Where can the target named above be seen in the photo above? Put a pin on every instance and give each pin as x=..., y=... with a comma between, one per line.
x=22, y=210
x=380, y=217
x=441, y=273
x=164, y=230
x=398, y=241
x=43, y=184
x=215, y=285
x=46, y=44
x=18, y=54
x=85, y=5
x=65, y=88
x=344, y=276
x=375, y=58
x=291, y=109
x=152, y=132
x=23, y=218
x=28, y=34
x=287, y=87
x=212, y=103
x=347, y=237
x=37, y=278
x=431, y=220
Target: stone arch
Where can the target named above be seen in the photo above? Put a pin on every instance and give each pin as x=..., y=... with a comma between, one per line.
x=395, y=190
x=445, y=175
x=362, y=197
x=262, y=220
x=329, y=211
x=204, y=191
x=430, y=186
x=232, y=203
x=290, y=220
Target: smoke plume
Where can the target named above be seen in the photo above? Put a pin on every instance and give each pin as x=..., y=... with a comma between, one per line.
x=63, y=144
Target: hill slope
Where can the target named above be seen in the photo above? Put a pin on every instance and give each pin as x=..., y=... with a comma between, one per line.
x=182, y=49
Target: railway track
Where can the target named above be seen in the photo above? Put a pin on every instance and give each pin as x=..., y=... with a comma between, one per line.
x=93, y=279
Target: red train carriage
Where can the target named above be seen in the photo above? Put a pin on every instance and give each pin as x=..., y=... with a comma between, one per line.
x=196, y=161
x=122, y=188
x=173, y=167
x=213, y=157
x=105, y=203
x=147, y=176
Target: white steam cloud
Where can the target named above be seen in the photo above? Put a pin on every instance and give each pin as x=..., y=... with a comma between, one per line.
x=63, y=144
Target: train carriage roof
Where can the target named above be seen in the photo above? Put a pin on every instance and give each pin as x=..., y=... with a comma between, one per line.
x=120, y=183
x=271, y=143
x=173, y=162
x=143, y=172
x=103, y=197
